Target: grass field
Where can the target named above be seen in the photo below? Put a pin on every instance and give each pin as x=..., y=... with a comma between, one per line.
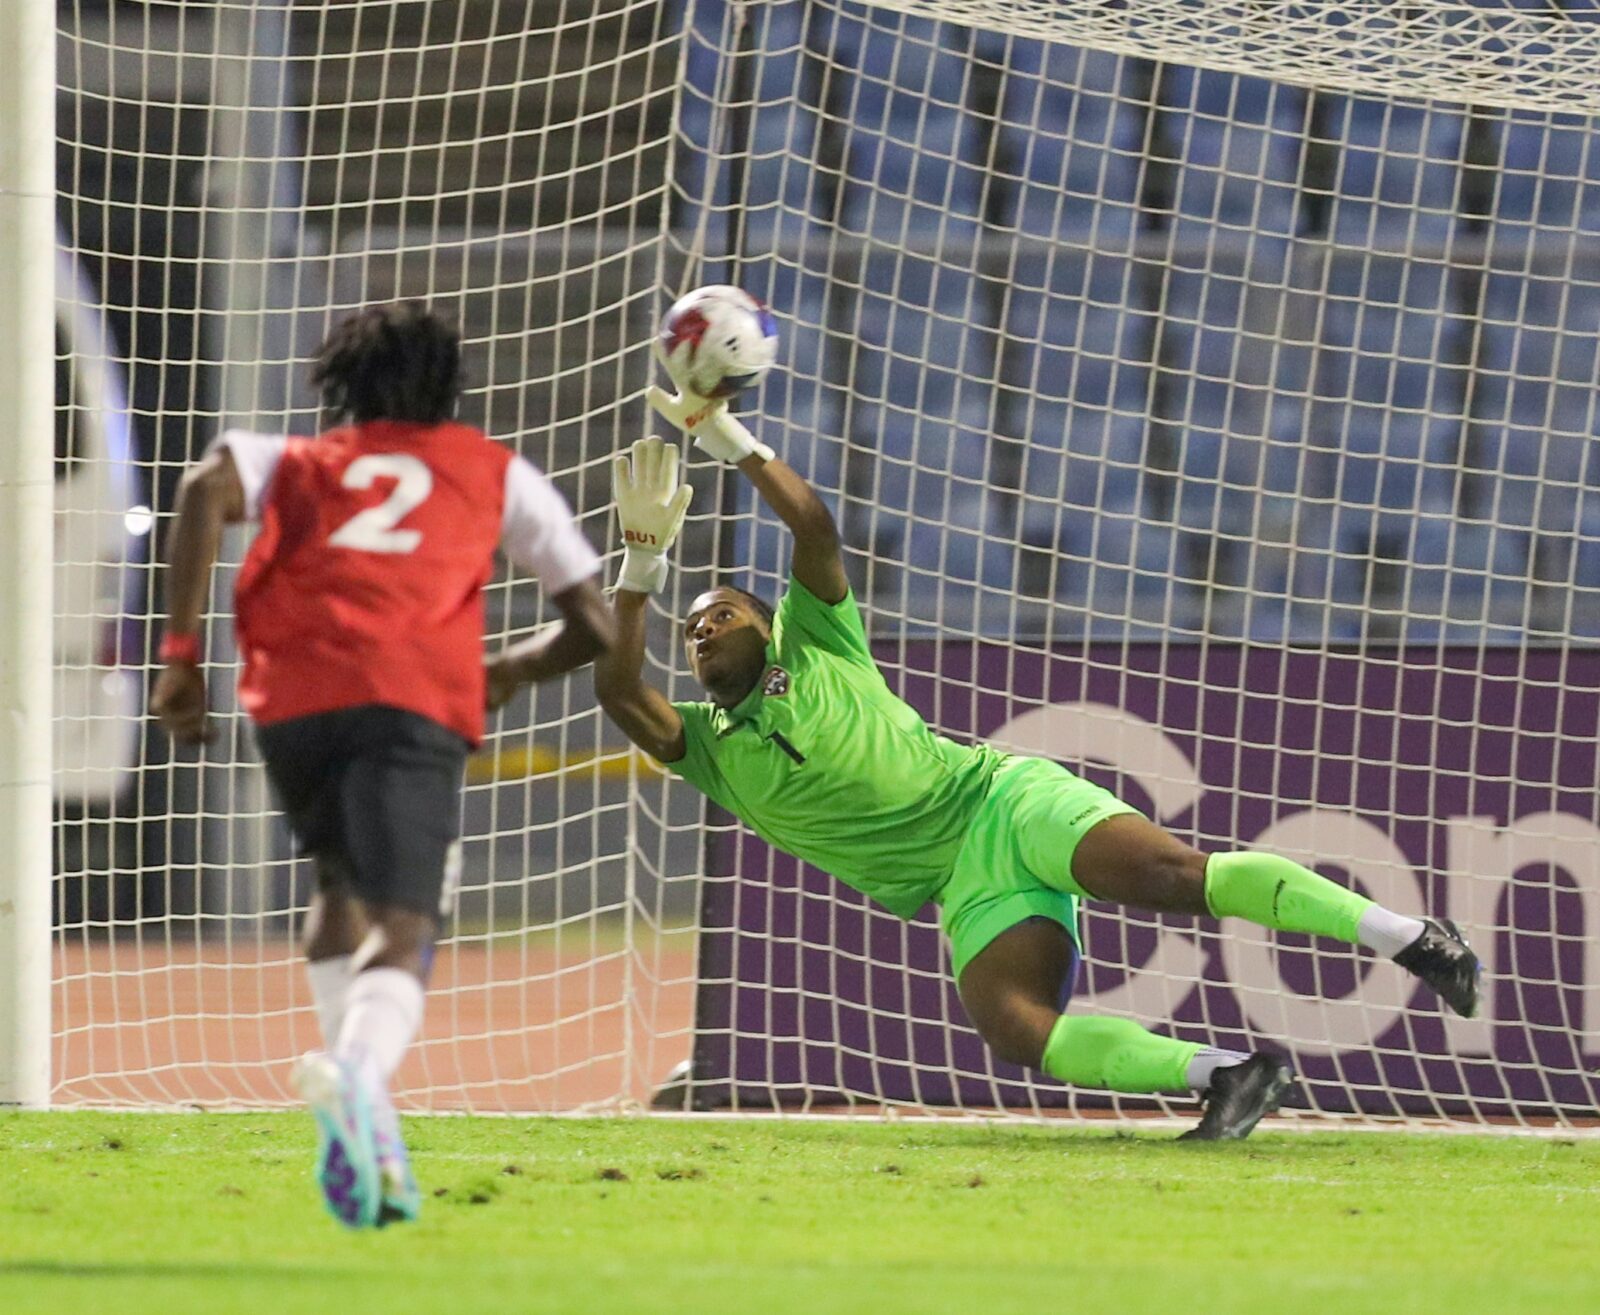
x=130, y=1213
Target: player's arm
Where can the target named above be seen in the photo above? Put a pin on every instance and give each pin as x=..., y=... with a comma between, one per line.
x=539, y=534
x=640, y=711
x=584, y=632
x=651, y=505
x=818, y=562
x=210, y=498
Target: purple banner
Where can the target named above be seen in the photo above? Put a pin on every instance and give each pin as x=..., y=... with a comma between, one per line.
x=1455, y=782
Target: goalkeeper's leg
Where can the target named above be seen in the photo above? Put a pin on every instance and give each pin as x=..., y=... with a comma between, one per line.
x=1129, y=860
x=1014, y=991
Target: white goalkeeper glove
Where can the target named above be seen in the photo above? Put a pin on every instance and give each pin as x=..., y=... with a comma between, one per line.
x=716, y=433
x=651, y=505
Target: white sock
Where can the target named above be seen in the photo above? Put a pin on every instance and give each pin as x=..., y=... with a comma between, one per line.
x=1388, y=933
x=330, y=980
x=382, y=1014
x=1207, y=1062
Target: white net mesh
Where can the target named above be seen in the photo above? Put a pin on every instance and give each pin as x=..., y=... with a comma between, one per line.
x=1227, y=428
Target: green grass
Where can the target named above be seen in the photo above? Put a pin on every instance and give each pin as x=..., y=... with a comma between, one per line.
x=133, y=1213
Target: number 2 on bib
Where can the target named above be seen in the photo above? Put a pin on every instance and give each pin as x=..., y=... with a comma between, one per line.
x=373, y=530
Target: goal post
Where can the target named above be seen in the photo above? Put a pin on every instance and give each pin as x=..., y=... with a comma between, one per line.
x=1206, y=395
x=27, y=265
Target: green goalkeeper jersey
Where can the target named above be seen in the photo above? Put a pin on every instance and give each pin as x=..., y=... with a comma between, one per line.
x=824, y=762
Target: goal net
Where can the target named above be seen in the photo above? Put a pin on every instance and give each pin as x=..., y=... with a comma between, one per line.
x=1206, y=395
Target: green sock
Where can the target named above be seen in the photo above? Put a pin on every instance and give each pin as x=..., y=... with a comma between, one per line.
x=1279, y=893
x=1116, y=1054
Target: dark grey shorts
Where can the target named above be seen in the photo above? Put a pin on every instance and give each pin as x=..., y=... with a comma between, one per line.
x=376, y=790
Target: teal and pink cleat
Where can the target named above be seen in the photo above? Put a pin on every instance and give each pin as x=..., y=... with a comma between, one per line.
x=347, y=1162
x=402, y=1201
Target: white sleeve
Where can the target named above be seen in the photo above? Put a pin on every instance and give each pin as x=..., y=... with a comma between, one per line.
x=538, y=533
x=255, y=457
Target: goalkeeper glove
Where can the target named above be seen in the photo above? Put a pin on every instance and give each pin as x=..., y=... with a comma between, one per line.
x=651, y=505
x=716, y=433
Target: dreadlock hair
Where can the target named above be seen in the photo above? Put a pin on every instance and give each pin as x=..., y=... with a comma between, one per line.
x=395, y=362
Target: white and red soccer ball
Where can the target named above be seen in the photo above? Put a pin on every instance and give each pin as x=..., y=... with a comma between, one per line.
x=717, y=341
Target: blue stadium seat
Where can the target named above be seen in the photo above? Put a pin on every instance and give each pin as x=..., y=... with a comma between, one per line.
x=1535, y=399
x=780, y=191
x=696, y=187
x=920, y=401
x=1238, y=143
x=1266, y=619
x=953, y=561
x=802, y=400
x=1488, y=580
x=1383, y=427
x=1068, y=145
x=1105, y=556
x=922, y=352
x=1220, y=339
x=1584, y=611
x=1077, y=396
x=914, y=158
x=1398, y=172
x=1426, y=544
x=1549, y=175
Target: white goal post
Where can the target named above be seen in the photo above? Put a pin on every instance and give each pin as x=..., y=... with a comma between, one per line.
x=1206, y=393
x=27, y=147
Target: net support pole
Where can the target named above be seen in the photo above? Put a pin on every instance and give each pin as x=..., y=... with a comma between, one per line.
x=27, y=455
x=250, y=243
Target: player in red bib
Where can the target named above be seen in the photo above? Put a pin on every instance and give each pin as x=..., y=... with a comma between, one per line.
x=359, y=617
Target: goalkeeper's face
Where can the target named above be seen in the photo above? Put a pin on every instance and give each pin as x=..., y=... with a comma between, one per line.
x=726, y=640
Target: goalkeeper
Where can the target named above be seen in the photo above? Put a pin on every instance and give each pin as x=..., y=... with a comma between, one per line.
x=802, y=740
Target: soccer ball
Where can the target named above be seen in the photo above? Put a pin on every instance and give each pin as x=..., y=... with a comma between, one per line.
x=717, y=341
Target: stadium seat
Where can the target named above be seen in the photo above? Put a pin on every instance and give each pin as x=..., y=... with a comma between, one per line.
x=1489, y=578
x=914, y=158
x=1534, y=398
x=780, y=197
x=1396, y=181
x=1383, y=426
x=956, y=565
x=1068, y=146
x=1104, y=559
x=1237, y=141
x=1549, y=175
x=1583, y=613
x=801, y=400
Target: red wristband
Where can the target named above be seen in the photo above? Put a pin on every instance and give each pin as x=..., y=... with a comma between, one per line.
x=176, y=647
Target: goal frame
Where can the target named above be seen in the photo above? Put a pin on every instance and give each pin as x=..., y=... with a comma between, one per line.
x=27, y=291
x=998, y=384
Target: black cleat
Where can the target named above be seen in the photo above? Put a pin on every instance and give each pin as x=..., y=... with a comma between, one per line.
x=1444, y=960
x=1240, y=1096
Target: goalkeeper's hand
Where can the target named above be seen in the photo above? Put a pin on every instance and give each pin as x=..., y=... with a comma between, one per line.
x=651, y=505
x=716, y=433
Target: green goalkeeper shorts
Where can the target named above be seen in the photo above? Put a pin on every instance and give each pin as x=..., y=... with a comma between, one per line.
x=1016, y=862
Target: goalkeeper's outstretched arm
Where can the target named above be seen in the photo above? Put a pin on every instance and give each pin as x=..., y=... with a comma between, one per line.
x=651, y=505
x=818, y=562
x=640, y=712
